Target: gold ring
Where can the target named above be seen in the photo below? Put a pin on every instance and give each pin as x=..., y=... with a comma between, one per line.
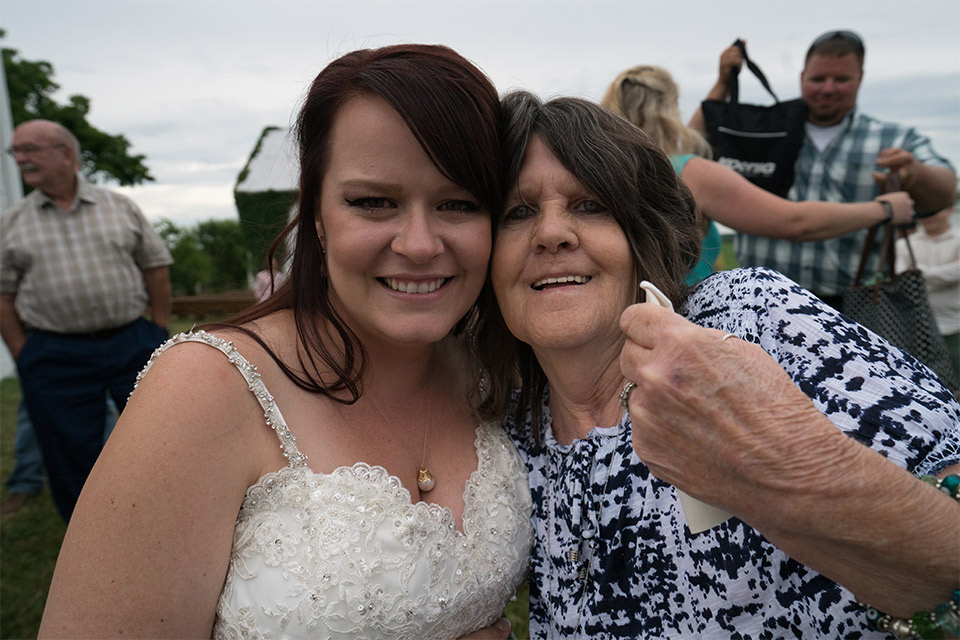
x=727, y=336
x=625, y=395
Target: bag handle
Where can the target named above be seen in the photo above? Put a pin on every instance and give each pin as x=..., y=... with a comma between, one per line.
x=734, y=84
x=865, y=254
x=888, y=246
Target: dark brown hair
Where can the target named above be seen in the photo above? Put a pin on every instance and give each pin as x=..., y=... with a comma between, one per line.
x=836, y=44
x=632, y=178
x=453, y=111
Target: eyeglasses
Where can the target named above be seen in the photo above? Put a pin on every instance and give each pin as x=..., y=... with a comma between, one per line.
x=842, y=34
x=30, y=149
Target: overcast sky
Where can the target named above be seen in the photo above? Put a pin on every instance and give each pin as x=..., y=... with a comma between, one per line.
x=192, y=84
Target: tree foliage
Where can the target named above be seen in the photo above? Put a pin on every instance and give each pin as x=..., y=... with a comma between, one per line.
x=208, y=258
x=222, y=240
x=104, y=156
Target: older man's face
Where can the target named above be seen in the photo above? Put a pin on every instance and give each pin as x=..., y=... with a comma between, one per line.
x=45, y=160
x=829, y=85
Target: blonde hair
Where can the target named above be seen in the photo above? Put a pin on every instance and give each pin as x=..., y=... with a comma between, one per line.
x=648, y=97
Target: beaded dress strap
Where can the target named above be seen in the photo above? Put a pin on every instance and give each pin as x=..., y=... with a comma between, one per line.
x=271, y=413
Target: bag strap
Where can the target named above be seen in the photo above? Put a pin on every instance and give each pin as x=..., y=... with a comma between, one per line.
x=865, y=254
x=734, y=84
x=913, y=258
x=888, y=243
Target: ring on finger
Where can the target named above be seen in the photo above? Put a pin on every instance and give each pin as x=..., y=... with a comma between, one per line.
x=727, y=336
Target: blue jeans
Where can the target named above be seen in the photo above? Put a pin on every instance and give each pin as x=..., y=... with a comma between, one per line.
x=28, y=473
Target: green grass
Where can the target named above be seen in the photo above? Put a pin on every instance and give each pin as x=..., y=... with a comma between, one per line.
x=518, y=612
x=30, y=539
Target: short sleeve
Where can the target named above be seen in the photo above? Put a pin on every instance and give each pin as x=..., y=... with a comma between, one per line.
x=151, y=252
x=10, y=269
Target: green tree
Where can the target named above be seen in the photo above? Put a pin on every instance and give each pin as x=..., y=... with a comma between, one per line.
x=208, y=258
x=104, y=156
x=192, y=269
x=222, y=240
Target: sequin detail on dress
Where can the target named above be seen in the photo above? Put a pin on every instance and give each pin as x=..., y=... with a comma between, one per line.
x=347, y=555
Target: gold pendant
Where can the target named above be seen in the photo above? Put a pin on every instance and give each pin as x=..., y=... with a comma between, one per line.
x=425, y=480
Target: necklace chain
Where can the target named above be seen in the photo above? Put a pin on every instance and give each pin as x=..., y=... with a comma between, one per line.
x=425, y=480
x=575, y=555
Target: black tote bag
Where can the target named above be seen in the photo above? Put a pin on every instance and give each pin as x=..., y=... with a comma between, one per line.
x=896, y=307
x=760, y=143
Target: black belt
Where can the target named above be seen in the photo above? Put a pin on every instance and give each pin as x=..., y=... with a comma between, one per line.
x=99, y=334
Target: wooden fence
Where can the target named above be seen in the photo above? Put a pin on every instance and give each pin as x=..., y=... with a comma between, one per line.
x=213, y=305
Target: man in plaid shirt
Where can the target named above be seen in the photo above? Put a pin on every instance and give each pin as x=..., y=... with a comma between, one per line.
x=845, y=156
x=79, y=265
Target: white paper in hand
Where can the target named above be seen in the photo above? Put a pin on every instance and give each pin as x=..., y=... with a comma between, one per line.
x=700, y=515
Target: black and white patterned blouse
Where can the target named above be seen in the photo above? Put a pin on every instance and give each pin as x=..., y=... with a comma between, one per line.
x=649, y=577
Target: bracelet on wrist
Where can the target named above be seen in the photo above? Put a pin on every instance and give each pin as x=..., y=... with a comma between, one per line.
x=950, y=485
x=888, y=209
x=925, y=625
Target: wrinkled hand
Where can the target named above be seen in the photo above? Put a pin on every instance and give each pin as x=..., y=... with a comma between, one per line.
x=499, y=630
x=718, y=418
x=900, y=161
x=903, y=210
x=731, y=60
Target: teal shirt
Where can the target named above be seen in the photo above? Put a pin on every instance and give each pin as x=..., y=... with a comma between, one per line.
x=710, y=245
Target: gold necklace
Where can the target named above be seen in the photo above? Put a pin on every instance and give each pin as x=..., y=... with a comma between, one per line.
x=425, y=480
x=588, y=536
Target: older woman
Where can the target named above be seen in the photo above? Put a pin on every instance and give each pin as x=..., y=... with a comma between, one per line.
x=594, y=209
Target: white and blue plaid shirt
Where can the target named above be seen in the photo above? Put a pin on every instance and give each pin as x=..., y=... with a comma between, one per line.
x=842, y=172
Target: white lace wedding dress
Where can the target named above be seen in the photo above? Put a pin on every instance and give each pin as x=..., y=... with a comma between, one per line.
x=347, y=555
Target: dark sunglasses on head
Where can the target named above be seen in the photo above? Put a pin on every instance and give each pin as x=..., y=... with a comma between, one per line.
x=842, y=34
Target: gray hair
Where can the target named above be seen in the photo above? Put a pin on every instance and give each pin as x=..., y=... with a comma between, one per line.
x=633, y=180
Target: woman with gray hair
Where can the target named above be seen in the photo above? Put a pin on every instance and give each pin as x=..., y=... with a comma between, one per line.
x=805, y=429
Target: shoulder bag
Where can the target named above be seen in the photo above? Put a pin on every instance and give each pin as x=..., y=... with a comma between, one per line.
x=895, y=306
x=760, y=143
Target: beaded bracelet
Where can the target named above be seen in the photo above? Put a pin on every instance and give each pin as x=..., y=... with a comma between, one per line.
x=925, y=625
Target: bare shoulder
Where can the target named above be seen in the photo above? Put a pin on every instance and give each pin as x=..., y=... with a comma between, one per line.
x=157, y=513
x=201, y=378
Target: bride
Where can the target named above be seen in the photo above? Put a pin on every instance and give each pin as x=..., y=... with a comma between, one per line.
x=317, y=467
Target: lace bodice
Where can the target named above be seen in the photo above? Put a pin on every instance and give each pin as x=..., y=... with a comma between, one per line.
x=348, y=555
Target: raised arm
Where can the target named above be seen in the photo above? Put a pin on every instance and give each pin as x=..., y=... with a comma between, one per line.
x=730, y=199
x=721, y=420
x=730, y=62
x=147, y=548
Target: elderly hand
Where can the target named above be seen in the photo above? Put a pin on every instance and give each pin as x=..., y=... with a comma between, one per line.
x=719, y=418
x=900, y=161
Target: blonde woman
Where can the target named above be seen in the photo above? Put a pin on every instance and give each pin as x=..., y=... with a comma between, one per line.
x=647, y=96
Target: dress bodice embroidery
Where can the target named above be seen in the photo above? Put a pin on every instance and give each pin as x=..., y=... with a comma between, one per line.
x=348, y=555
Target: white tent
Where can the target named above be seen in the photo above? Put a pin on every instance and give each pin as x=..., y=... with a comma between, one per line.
x=11, y=189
